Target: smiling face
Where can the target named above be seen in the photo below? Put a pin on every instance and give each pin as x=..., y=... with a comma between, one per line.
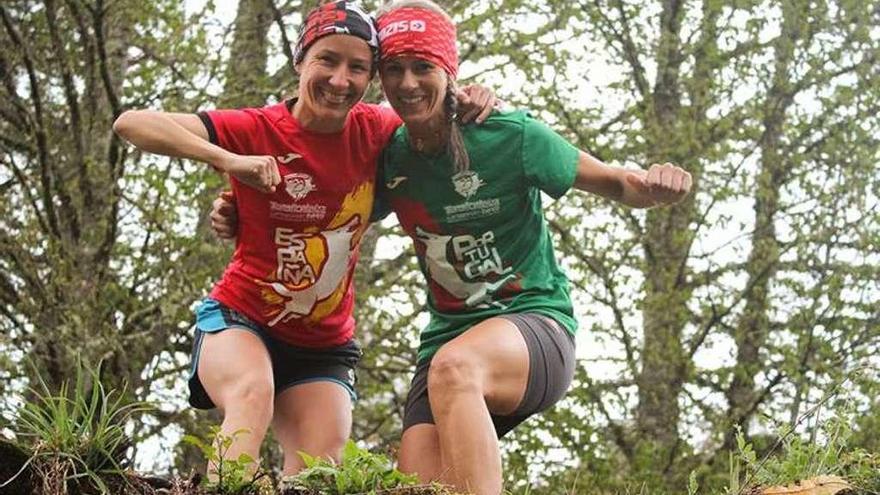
x=334, y=75
x=415, y=88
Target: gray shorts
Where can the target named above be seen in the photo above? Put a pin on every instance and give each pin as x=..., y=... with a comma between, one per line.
x=551, y=369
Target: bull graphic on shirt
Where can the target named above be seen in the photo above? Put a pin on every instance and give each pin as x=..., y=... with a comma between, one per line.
x=311, y=267
x=478, y=260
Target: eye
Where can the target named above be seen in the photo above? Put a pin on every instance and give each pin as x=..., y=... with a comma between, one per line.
x=392, y=68
x=423, y=67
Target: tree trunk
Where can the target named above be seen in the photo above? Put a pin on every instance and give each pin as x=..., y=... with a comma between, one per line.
x=753, y=327
x=246, y=73
x=664, y=363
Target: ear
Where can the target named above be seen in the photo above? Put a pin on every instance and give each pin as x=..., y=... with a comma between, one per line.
x=297, y=68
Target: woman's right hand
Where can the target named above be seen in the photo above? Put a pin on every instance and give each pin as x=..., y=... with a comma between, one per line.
x=224, y=216
x=259, y=172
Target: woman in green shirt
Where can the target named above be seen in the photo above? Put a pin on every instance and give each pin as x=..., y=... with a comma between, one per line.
x=500, y=344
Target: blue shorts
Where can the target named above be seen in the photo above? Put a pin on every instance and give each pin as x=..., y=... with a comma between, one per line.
x=291, y=365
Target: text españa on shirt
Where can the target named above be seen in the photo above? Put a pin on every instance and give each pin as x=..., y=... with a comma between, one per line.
x=310, y=267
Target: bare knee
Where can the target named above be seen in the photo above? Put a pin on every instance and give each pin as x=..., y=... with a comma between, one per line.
x=324, y=442
x=454, y=371
x=323, y=436
x=251, y=393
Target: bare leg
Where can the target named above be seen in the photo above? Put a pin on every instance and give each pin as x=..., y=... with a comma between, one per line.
x=314, y=418
x=484, y=369
x=420, y=452
x=236, y=371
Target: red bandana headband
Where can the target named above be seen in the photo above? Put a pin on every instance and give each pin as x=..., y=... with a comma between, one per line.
x=342, y=17
x=419, y=32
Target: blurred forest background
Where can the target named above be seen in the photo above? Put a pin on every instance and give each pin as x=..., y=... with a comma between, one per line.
x=754, y=304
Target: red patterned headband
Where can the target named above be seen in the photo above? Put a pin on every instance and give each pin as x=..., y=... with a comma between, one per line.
x=342, y=17
x=419, y=32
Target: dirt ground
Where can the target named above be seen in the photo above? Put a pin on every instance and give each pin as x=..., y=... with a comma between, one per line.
x=46, y=478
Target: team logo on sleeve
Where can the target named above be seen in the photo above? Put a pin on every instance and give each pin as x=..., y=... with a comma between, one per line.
x=466, y=183
x=298, y=186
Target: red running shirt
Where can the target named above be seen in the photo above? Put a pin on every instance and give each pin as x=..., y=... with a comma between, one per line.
x=297, y=247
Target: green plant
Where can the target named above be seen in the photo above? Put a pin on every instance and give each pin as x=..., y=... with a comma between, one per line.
x=735, y=471
x=239, y=476
x=862, y=470
x=693, y=486
x=794, y=457
x=359, y=472
x=77, y=434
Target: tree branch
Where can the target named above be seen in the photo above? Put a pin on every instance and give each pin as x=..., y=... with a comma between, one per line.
x=38, y=127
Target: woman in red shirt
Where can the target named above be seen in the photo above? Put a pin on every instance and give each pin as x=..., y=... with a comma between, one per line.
x=273, y=342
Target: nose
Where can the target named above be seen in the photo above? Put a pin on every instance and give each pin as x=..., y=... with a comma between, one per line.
x=340, y=78
x=408, y=81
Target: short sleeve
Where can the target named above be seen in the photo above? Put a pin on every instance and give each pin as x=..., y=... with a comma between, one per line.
x=231, y=129
x=388, y=122
x=549, y=161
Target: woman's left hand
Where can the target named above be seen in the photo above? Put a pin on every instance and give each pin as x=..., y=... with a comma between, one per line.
x=475, y=103
x=662, y=184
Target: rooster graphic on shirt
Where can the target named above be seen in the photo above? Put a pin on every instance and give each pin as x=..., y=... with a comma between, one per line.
x=313, y=265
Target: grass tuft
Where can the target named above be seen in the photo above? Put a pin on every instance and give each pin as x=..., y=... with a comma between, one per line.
x=76, y=436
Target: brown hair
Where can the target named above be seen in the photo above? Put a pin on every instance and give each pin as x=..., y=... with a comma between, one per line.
x=455, y=142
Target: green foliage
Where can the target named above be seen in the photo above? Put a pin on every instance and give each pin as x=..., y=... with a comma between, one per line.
x=825, y=452
x=693, y=485
x=79, y=430
x=239, y=476
x=97, y=254
x=772, y=104
x=359, y=472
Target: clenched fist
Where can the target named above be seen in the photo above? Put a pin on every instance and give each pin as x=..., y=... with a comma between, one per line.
x=661, y=184
x=259, y=172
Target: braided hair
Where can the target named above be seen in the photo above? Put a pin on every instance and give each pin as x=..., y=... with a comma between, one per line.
x=455, y=143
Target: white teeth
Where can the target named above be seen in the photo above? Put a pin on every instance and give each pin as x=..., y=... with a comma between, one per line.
x=335, y=98
x=411, y=100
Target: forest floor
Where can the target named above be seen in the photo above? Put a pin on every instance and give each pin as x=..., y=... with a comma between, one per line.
x=19, y=475
x=22, y=475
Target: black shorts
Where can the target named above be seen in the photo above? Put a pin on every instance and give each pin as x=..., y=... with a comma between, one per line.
x=551, y=369
x=291, y=365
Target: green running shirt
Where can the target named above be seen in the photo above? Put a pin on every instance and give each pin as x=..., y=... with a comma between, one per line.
x=480, y=237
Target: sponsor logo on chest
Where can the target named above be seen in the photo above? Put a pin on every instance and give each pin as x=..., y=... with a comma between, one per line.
x=292, y=212
x=297, y=185
x=466, y=183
